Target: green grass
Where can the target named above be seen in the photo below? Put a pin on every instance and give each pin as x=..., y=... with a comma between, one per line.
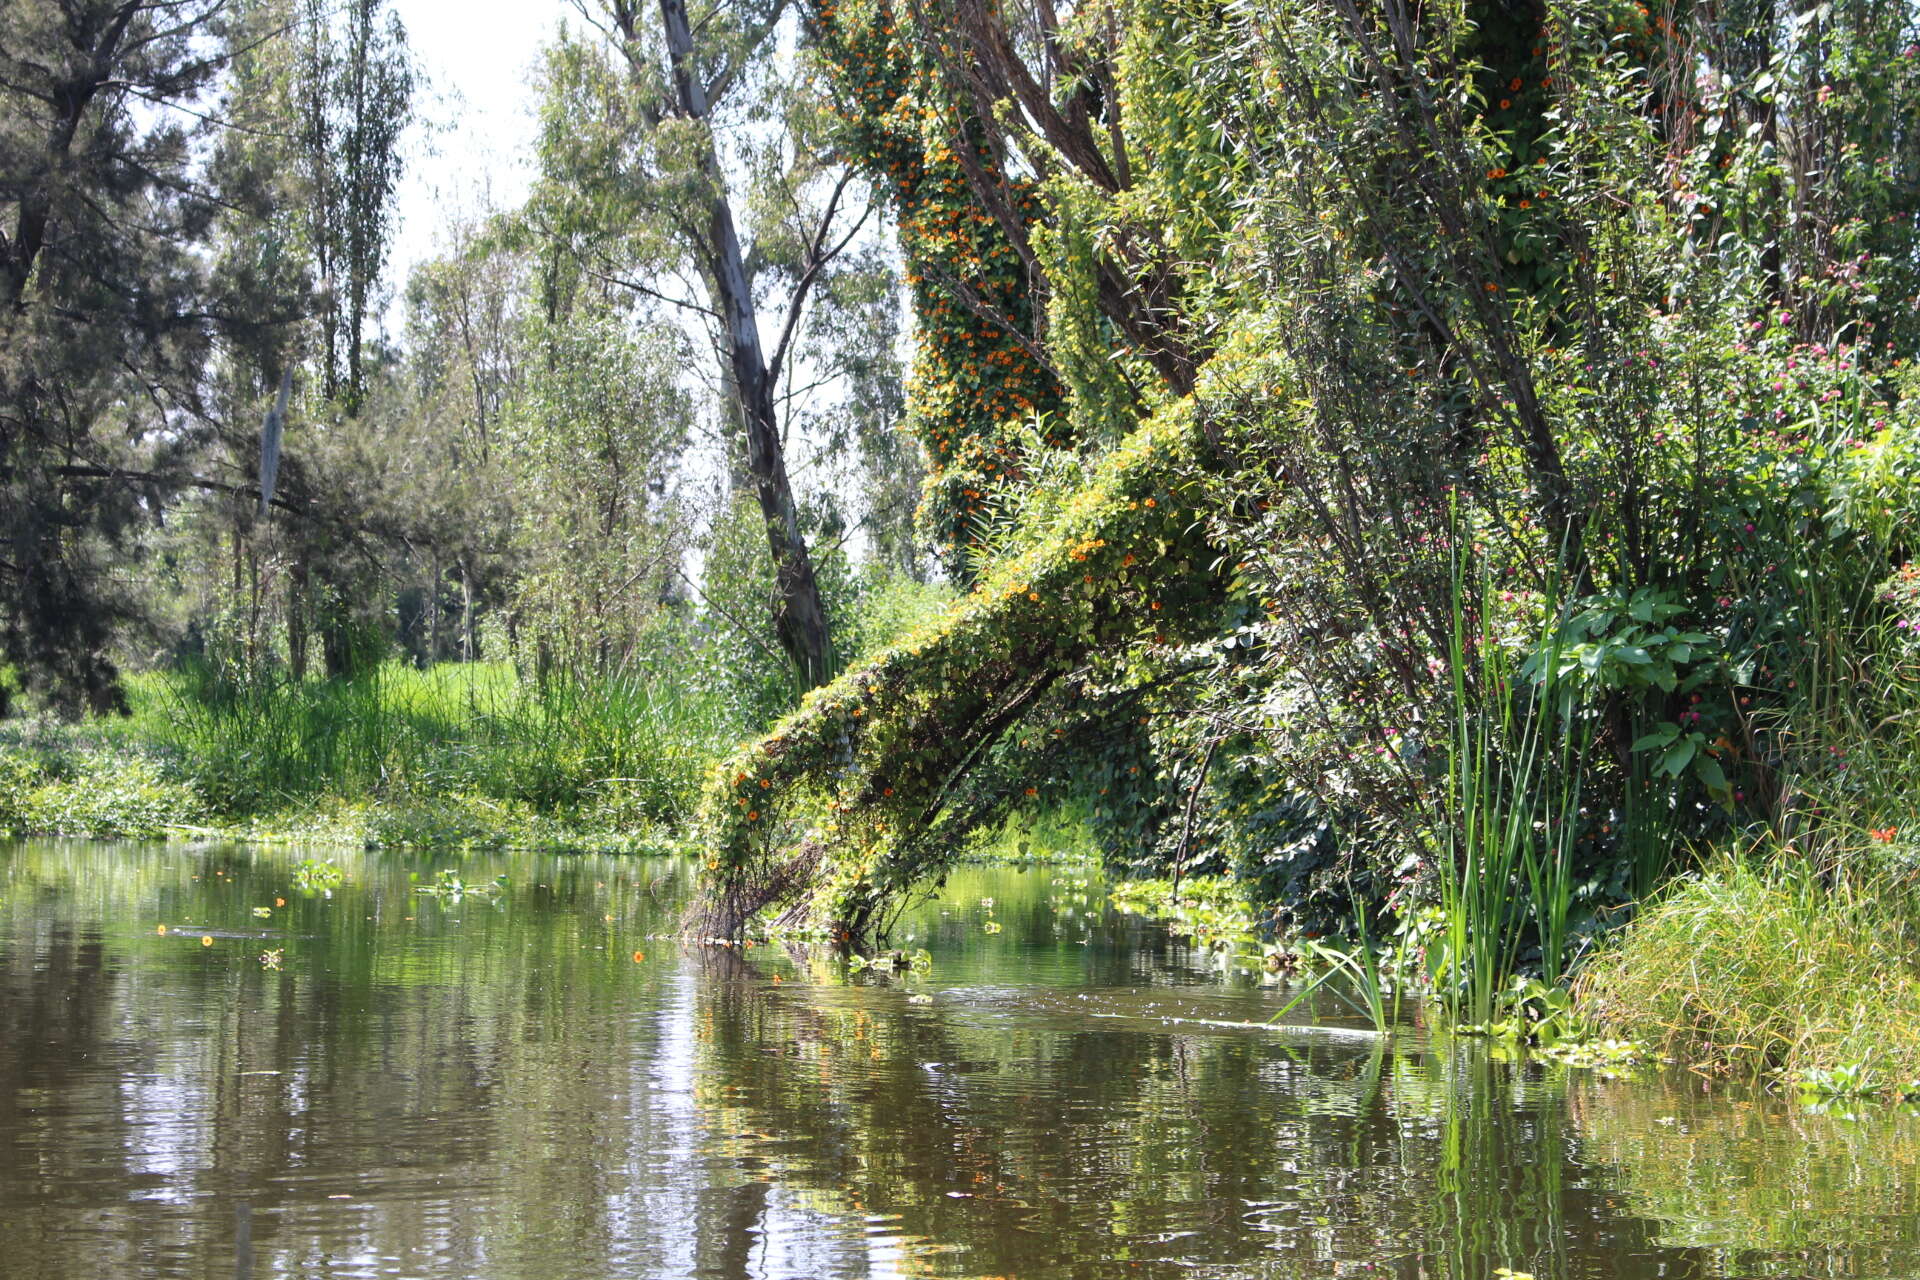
x=631, y=744
x=457, y=755
x=464, y=755
x=1761, y=963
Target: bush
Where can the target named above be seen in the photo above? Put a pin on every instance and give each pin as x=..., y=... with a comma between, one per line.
x=96, y=794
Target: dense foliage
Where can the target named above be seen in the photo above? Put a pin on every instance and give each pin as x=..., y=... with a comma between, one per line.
x=1552, y=429
x=1446, y=465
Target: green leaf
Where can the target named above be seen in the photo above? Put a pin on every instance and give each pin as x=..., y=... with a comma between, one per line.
x=1660, y=737
x=1710, y=773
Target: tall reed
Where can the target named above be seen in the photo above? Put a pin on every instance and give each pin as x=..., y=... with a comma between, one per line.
x=630, y=743
x=1516, y=762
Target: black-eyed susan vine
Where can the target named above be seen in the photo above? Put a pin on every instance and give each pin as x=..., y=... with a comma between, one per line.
x=835, y=804
x=978, y=370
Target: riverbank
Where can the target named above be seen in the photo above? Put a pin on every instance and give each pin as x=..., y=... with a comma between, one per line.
x=1793, y=961
x=1754, y=967
x=1764, y=964
x=456, y=758
x=460, y=756
x=121, y=792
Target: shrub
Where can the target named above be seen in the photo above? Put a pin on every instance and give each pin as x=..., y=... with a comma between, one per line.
x=99, y=794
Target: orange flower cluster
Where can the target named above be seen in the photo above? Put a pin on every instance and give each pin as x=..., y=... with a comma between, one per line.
x=972, y=374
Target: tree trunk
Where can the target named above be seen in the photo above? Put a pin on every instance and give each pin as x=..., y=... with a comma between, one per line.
x=800, y=618
x=297, y=616
x=467, y=646
x=433, y=615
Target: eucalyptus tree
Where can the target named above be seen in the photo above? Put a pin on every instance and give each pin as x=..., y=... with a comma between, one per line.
x=684, y=162
x=468, y=312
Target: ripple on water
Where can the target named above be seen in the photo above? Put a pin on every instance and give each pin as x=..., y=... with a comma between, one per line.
x=545, y=1087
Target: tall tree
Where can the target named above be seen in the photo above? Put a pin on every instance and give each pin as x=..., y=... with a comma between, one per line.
x=634, y=127
x=106, y=317
x=351, y=86
x=354, y=82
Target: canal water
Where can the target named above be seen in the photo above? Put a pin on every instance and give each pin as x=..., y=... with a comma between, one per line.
x=220, y=1061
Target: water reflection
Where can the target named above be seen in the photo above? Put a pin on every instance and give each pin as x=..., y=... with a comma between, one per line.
x=535, y=1083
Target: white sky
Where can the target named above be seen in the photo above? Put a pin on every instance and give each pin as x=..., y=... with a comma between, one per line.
x=478, y=56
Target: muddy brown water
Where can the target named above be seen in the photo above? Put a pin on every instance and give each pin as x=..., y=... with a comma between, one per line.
x=535, y=1082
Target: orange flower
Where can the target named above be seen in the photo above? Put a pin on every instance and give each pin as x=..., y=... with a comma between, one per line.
x=1884, y=835
x=753, y=815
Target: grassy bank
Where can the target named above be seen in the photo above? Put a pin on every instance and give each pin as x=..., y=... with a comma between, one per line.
x=1766, y=964
x=456, y=755
x=1795, y=950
